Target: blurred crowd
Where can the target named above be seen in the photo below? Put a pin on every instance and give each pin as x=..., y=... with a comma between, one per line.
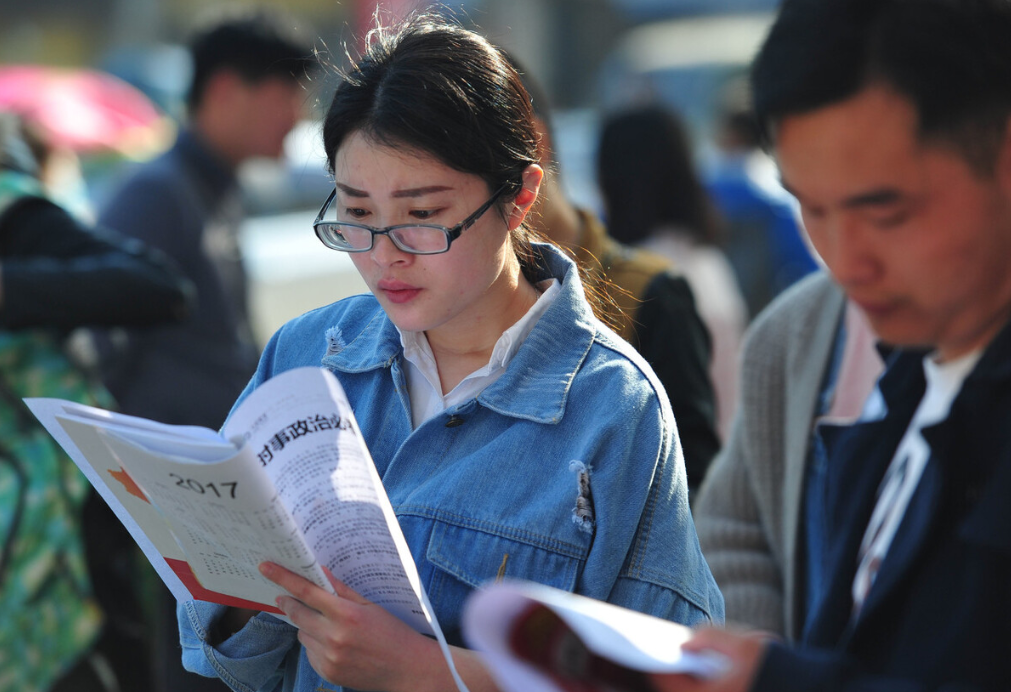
x=139, y=302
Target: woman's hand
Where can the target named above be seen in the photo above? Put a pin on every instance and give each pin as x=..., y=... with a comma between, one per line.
x=353, y=642
x=348, y=639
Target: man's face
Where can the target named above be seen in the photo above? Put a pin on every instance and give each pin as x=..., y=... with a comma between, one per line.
x=268, y=110
x=917, y=238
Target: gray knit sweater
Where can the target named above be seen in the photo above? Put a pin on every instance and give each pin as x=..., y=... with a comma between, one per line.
x=748, y=508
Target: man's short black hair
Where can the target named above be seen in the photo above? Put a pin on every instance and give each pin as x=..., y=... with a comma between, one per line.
x=256, y=43
x=950, y=58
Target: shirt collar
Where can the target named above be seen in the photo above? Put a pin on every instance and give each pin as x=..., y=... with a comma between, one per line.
x=994, y=363
x=536, y=385
x=419, y=352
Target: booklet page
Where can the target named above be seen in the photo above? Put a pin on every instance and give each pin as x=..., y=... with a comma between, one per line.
x=225, y=516
x=302, y=430
x=587, y=645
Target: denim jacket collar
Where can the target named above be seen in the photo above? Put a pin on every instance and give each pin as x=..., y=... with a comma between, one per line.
x=536, y=384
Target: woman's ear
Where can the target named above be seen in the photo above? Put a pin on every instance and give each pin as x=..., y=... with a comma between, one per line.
x=525, y=198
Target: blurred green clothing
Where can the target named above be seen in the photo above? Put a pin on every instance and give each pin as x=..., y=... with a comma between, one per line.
x=48, y=619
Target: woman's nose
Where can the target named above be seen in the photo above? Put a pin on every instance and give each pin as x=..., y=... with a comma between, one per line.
x=385, y=253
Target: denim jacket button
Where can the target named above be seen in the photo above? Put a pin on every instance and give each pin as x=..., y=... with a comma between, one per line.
x=454, y=421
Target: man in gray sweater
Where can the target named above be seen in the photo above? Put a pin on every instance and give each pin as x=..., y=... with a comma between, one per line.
x=891, y=124
x=808, y=358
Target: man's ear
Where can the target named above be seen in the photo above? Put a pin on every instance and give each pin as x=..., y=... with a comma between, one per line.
x=525, y=198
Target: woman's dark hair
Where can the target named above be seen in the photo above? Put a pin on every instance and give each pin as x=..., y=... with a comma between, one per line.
x=646, y=172
x=437, y=87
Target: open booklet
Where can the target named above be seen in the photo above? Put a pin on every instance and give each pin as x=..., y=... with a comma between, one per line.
x=535, y=638
x=288, y=480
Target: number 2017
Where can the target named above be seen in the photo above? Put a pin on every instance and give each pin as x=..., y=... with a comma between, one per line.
x=203, y=488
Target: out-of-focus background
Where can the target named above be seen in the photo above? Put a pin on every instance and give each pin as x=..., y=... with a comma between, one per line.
x=593, y=56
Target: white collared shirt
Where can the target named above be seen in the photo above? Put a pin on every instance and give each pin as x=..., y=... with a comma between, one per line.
x=944, y=380
x=423, y=382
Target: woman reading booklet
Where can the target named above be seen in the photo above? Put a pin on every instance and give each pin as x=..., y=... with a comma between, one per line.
x=514, y=432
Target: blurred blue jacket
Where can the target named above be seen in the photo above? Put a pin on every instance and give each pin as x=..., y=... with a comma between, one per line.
x=764, y=244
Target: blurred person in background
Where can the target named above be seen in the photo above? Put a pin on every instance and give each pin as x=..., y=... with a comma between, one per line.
x=60, y=172
x=654, y=200
x=648, y=303
x=56, y=275
x=763, y=239
x=246, y=94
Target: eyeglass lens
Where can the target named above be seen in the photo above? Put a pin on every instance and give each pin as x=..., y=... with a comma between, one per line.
x=418, y=239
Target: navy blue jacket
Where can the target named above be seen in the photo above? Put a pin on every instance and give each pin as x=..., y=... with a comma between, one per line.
x=939, y=614
x=185, y=203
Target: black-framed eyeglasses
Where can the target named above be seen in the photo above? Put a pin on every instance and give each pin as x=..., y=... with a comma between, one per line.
x=414, y=238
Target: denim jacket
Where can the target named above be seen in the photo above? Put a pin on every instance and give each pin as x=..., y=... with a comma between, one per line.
x=566, y=471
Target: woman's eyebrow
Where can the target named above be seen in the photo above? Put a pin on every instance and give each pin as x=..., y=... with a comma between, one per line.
x=420, y=191
x=397, y=194
x=350, y=191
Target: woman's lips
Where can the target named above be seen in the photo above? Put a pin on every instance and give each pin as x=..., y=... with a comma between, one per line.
x=398, y=292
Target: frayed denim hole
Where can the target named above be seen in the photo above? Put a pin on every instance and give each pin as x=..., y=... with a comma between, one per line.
x=582, y=514
x=334, y=341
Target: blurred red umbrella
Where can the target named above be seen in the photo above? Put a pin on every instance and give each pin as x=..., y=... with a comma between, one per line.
x=85, y=110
